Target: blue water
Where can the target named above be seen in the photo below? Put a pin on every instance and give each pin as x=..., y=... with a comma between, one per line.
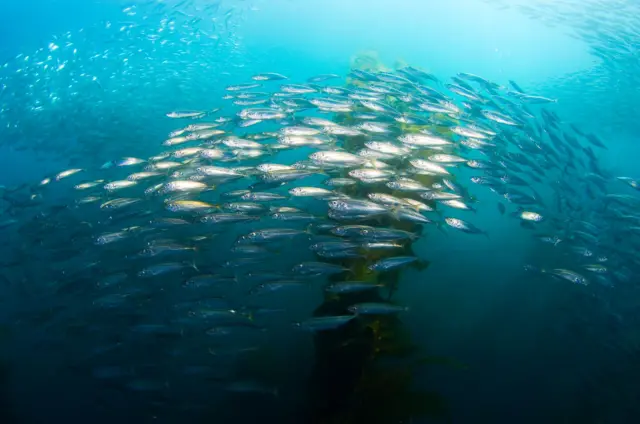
x=97, y=82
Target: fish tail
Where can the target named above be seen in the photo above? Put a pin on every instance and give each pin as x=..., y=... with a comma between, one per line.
x=371, y=164
x=309, y=231
x=421, y=264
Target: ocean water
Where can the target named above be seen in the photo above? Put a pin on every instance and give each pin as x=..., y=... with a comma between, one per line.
x=505, y=338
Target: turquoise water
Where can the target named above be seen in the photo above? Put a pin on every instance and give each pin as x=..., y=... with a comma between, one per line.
x=85, y=83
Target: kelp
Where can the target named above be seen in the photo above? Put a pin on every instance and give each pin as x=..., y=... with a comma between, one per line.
x=364, y=370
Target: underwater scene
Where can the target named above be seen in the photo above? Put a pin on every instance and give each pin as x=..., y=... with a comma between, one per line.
x=320, y=211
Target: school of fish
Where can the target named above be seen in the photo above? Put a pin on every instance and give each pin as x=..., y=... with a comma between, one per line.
x=291, y=191
x=610, y=30
x=195, y=242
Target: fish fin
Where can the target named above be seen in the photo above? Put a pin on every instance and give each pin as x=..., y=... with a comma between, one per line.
x=309, y=231
x=193, y=265
x=421, y=264
x=393, y=213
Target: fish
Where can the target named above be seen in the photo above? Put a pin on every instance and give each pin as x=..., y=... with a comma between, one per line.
x=393, y=262
x=596, y=268
x=424, y=140
x=529, y=216
x=568, y=275
x=163, y=268
x=516, y=86
x=311, y=192
x=63, y=174
x=185, y=115
x=376, y=309
x=268, y=235
x=351, y=287
x=88, y=185
x=169, y=230
x=464, y=226
x=429, y=167
x=336, y=159
x=189, y=206
x=262, y=197
x=268, y=76
x=325, y=323
x=322, y=77
x=456, y=204
x=318, y=268
x=243, y=87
